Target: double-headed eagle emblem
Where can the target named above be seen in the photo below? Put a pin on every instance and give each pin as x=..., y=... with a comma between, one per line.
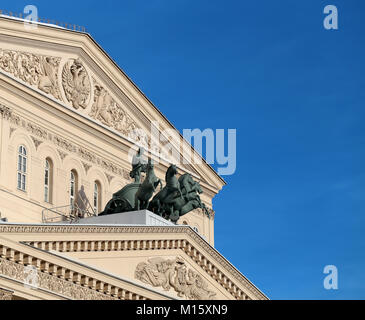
x=76, y=84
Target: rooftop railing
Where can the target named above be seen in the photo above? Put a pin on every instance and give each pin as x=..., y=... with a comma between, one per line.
x=69, y=213
x=65, y=25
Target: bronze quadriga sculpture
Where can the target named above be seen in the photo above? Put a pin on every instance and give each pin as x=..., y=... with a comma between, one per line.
x=177, y=198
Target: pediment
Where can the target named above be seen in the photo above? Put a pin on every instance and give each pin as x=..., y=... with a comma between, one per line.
x=72, y=70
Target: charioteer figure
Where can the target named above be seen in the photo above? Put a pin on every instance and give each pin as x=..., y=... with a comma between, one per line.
x=139, y=165
x=177, y=198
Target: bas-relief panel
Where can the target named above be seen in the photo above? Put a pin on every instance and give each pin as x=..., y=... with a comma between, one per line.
x=172, y=275
x=70, y=82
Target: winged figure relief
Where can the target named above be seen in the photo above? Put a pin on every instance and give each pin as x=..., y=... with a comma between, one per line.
x=48, y=79
x=76, y=84
x=33, y=69
x=101, y=108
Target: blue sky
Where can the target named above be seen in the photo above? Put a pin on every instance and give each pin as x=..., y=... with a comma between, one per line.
x=295, y=93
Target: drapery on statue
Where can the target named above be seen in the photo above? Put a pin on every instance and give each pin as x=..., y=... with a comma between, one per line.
x=177, y=198
x=138, y=166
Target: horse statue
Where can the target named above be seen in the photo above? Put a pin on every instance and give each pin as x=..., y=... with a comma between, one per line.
x=179, y=197
x=147, y=188
x=187, y=184
x=168, y=193
x=181, y=206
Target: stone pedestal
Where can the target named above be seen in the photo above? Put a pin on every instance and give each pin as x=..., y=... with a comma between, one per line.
x=144, y=217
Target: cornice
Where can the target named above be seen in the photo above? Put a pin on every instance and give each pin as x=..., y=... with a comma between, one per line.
x=67, y=278
x=208, y=258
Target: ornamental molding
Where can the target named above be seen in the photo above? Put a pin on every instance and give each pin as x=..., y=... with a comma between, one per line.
x=5, y=295
x=11, y=131
x=87, y=167
x=109, y=177
x=83, y=153
x=50, y=282
x=38, y=273
x=36, y=142
x=62, y=155
x=174, y=274
x=209, y=212
x=211, y=260
x=5, y=112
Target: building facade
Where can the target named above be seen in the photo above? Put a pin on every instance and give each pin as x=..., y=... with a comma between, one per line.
x=69, y=118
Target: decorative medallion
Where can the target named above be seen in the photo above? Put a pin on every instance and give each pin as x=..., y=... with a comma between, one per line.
x=76, y=84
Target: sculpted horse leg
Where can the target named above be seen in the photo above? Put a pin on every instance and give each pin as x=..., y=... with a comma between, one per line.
x=136, y=203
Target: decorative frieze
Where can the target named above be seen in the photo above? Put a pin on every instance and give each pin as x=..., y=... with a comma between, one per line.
x=5, y=112
x=33, y=69
x=46, y=72
x=60, y=142
x=174, y=274
x=209, y=212
x=40, y=274
x=50, y=282
x=106, y=110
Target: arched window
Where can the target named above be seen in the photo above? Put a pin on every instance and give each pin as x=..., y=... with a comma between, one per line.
x=73, y=187
x=97, y=197
x=22, y=168
x=48, y=180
